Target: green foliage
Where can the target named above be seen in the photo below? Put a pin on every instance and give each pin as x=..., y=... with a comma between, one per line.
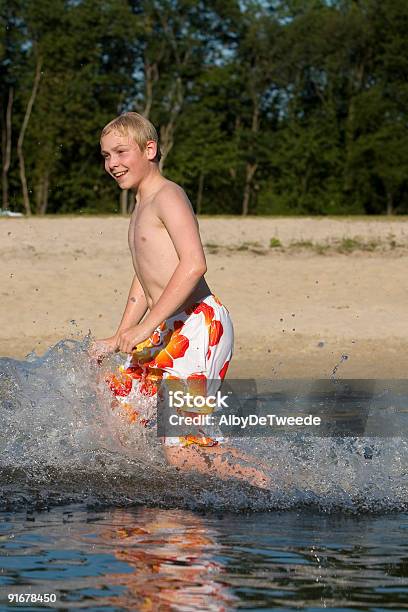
x=295, y=107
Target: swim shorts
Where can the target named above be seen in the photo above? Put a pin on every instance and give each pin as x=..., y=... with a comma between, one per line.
x=193, y=346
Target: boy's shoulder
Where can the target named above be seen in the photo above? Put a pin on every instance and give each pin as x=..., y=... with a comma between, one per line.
x=169, y=188
x=171, y=195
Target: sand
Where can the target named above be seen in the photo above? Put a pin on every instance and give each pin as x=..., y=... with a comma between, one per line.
x=295, y=311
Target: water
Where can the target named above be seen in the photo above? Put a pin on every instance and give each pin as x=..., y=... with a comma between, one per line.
x=91, y=511
x=160, y=559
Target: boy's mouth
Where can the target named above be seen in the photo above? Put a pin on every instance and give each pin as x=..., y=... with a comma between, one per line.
x=118, y=175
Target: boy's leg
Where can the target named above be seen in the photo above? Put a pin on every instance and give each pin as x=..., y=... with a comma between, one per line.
x=212, y=328
x=222, y=461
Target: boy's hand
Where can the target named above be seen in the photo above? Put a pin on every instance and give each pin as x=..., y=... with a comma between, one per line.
x=102, y=348
x=130, y=337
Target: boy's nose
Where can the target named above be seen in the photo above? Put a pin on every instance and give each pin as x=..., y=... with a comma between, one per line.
x=113, y=163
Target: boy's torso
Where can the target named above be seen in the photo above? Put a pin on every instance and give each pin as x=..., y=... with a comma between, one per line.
x=154, y=256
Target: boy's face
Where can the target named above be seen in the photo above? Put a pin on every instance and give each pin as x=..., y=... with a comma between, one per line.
x=124, y=161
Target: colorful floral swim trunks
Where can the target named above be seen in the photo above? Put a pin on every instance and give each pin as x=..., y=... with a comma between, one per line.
x=194, y=345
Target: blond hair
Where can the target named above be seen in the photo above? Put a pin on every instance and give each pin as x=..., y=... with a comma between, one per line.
x=137, y=127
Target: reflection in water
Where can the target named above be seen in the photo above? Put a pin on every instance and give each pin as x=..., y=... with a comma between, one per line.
x=125, y=560
x=173, y=554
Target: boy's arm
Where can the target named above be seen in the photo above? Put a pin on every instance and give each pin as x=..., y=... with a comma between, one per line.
x=176, y=213
x=136, y=306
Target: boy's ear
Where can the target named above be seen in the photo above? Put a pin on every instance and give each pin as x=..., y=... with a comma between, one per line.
x=151, y=149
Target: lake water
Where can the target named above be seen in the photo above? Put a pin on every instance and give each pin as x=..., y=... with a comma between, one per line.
x=92, y=515
x=159, y=559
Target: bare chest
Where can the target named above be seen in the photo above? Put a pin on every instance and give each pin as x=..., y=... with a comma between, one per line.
x=146, y=232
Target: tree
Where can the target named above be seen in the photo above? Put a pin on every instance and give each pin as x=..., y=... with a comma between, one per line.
x=278, y=106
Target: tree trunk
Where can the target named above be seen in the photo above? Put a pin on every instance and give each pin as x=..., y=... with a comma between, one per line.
x=131, y=201
x=304, y=180
x=6, y=149
x=250, y=168
x=20, y=141
x=167, y=130
x=249, y=175
x=390, y=203
x=355, y=87
x=124, y=202
x=151, y=73
x=42, y=193
x=166, y=142
x=200, y=192
x=349, y=137
x=46, y=184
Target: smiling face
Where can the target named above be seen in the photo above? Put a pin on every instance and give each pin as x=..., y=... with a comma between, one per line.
x=124, y=160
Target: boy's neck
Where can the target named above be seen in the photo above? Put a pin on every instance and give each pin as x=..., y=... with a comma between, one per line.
x=149, y=184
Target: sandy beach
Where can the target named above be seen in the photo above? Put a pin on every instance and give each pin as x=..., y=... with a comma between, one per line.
x=326, y=287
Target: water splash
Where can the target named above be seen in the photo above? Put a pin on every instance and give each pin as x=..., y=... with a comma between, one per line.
x=60, y=442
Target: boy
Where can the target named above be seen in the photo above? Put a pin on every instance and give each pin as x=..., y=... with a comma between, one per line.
x=187, y=333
